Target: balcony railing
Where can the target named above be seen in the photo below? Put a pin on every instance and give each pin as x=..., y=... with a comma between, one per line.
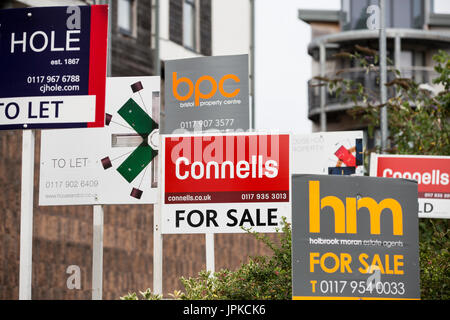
x=368, y=79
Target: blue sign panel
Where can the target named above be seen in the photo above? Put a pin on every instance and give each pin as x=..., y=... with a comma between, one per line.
x=53, y=63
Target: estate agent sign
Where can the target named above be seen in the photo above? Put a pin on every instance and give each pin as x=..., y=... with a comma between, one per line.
x=354, y=238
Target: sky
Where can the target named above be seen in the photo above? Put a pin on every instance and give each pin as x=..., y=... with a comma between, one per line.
x=282, y=65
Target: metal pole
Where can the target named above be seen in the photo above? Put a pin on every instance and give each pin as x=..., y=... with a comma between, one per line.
x=323, y=115
x=157, y=249
x=383, y=77
x=26, y=215
x=156, y=53
x=252, y=60
x=157, y=235
x=98, y=213
x=398, y=50
x=209, y=244
x=109, y=50
x=97, y=253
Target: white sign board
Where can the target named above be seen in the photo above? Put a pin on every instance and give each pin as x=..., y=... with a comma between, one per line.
x=432, y=174
x=221, y=183
x=337, y=153
x=109, y=165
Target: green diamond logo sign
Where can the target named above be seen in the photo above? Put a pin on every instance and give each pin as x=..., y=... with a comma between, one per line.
x=140, y=158
x=112, y=165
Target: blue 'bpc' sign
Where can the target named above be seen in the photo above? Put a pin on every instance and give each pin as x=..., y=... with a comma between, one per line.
x=53, y=67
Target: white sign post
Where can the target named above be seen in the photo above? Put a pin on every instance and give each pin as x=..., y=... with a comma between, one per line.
x=97, y=253
x=157, y=234
x=92, y=166
x=210, y=253
x=260, y=204
x=26, y=215
x=45, y=86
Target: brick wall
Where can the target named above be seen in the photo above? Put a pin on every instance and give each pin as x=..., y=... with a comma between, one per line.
x=62, y=236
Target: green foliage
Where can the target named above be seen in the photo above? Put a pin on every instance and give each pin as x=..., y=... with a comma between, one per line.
x=262, y=277
x=130, y=296
x=418, y=124
x=434, y=259
x=146, y=295
x=418, y=118
x=443, y=69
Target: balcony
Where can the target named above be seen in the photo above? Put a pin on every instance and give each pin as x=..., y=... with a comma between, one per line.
x=368, y=80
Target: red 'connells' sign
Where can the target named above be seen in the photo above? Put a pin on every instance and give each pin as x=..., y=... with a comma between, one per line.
x=227, y=169
x=221, y=183
x=431, y=172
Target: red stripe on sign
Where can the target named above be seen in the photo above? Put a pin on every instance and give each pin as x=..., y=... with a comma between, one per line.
x=432, y=174
x=97, y=61
x=226, y=197
x=434, y=195
x=227, y=163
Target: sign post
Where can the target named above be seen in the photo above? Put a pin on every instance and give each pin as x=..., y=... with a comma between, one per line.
x=210, y=254
x=109, y=165
x=97, y=253
x=354, y=238
x=207, y=94
x=157, y=234
x=219, y=183
x=26, y=215
x=383, y=78
x=97, y=210
x=53, y=79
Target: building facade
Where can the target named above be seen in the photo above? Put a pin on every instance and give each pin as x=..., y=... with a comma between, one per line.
x=414, y=31
x=62, y=236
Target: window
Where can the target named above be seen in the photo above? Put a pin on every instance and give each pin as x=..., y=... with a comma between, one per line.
x=189, y=24
x=441, y=6
x=125, y=16
x=406, y=59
